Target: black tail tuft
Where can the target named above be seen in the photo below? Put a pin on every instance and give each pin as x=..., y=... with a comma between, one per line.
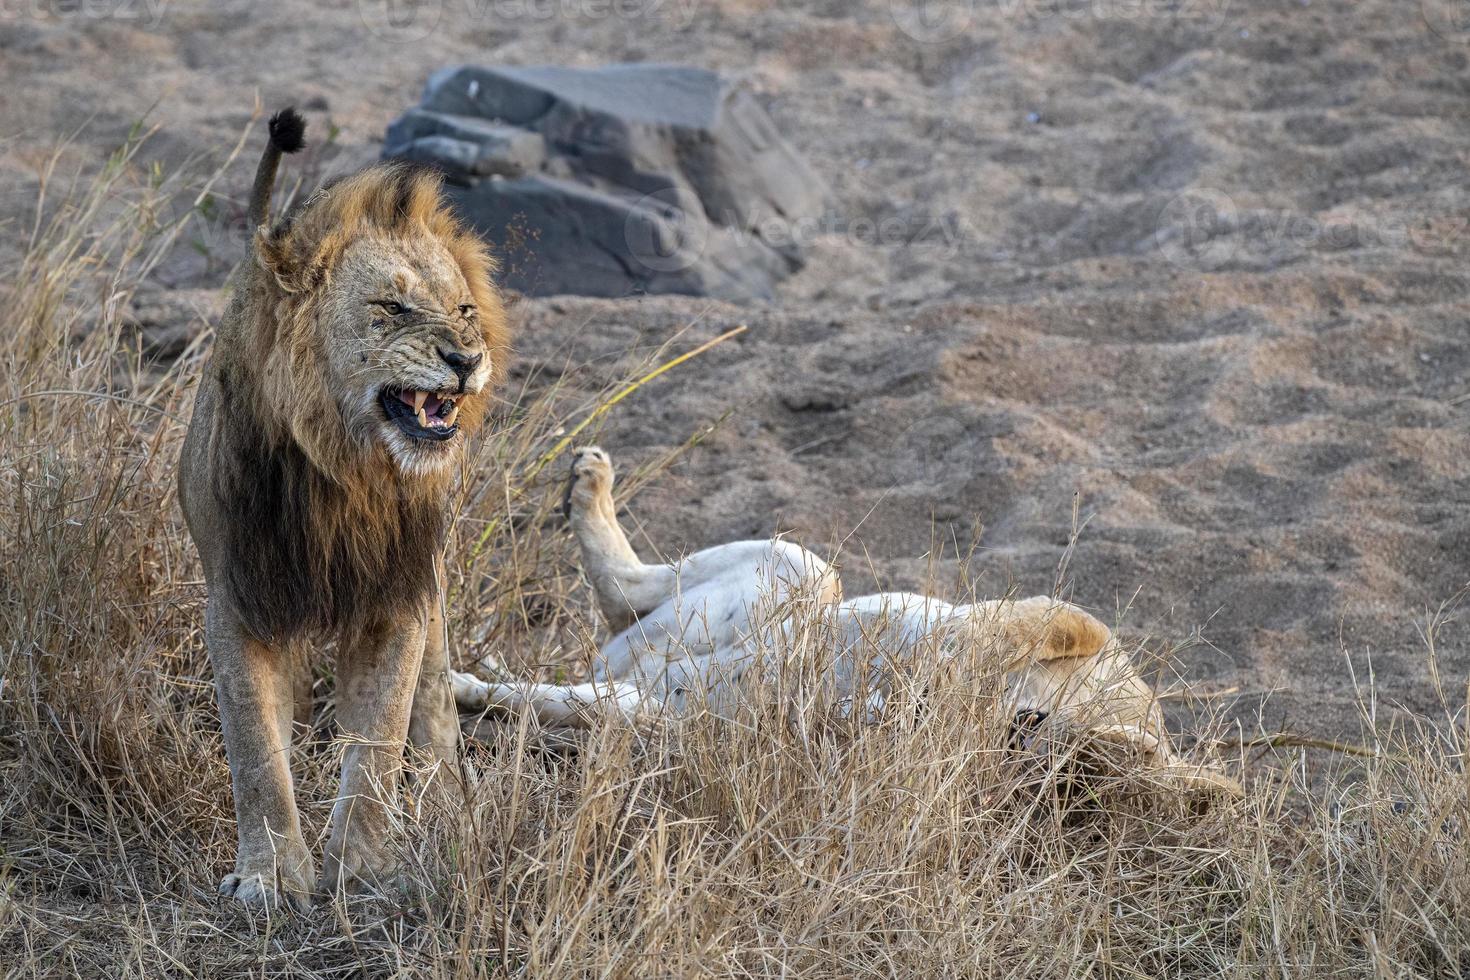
x=288, y=130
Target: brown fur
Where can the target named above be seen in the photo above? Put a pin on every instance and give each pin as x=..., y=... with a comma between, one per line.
x=1043, y=629
x=315, y=513
x=319, y=533
x=392, y=201
x=306, y=554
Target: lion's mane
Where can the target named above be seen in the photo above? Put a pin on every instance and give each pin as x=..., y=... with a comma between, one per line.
x=319, y=533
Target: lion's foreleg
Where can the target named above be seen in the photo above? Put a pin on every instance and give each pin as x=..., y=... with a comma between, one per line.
x=433, y=725
x=299, y=678
x=377, y=677
x=254, y=686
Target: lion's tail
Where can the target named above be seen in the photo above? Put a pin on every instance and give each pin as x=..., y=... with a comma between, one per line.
x=287, y=135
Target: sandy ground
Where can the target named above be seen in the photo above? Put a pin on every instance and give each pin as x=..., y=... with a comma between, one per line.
x=1193, y=273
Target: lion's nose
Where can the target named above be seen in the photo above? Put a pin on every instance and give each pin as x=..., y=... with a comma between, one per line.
x=461, y=364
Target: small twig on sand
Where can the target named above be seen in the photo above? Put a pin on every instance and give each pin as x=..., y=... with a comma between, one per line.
x=598, y=412
x=1190, y=694
x=1280, y=740
x=631, y=387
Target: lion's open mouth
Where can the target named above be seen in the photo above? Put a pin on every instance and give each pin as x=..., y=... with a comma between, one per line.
x=420, y=414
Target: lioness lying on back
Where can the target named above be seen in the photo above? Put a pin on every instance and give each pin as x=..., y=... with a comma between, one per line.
x=691, y=629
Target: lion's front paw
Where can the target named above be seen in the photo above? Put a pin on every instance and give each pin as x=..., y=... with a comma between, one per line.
x=591, y=477
x=268, y=889
x=363, y=869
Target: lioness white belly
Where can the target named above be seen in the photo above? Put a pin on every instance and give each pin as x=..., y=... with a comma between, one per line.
x=722, y=596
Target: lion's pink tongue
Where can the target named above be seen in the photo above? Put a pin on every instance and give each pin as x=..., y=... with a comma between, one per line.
x=429, y=408
x=432, y=402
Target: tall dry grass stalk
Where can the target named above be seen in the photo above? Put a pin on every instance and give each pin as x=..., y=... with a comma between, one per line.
x=781, y=843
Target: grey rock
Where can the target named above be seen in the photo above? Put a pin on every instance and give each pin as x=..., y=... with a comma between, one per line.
x=465, y=146
x=626, y=179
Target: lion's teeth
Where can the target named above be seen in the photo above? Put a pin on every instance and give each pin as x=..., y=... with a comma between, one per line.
x=450, y=415
x=423, y=419
x=419, y=397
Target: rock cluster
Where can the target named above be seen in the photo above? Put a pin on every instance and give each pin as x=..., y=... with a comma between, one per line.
x=619, y=180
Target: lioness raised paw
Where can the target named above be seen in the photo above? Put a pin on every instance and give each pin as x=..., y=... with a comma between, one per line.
x=591, y=478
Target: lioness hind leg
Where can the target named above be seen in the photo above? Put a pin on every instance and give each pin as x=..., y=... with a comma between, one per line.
x=625, y=587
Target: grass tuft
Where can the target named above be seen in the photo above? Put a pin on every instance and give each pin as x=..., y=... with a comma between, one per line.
x=767, y=845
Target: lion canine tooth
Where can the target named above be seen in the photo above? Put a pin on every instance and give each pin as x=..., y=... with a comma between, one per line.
x=423, y=419
x=419, y=397
x=449, y=416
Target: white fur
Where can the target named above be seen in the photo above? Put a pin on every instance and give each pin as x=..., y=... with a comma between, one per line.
x=693, y=628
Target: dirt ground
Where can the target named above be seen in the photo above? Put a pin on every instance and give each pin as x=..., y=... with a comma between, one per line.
x=1188, y=275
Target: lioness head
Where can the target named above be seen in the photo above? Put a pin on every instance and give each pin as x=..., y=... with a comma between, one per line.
x=391, y=336
x=1043, y=628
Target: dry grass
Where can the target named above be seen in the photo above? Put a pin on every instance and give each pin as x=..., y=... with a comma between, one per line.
x=776, y=845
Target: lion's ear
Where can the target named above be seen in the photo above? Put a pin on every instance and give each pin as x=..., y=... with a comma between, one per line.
x=277, y=260
x=1049, y=629
x=282, y=257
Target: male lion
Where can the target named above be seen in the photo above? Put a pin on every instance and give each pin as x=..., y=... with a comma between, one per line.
x=362, y=342
x=690, y=629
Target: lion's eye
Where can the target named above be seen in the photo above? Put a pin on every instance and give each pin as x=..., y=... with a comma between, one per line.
x=467, y=310
x=391, y=308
